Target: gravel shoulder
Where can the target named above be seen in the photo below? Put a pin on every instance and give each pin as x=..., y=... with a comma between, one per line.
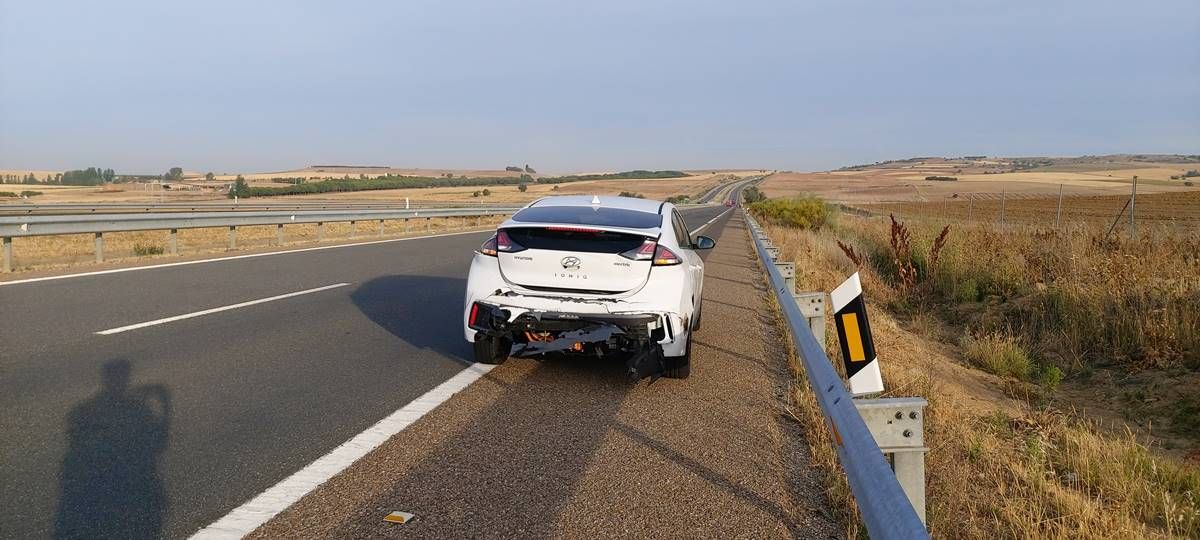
x=569, y=448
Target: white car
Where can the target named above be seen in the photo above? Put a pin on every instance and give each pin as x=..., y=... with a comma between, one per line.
x=589, y=275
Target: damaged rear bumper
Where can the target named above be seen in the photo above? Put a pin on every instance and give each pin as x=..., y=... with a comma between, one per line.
x=541, y=325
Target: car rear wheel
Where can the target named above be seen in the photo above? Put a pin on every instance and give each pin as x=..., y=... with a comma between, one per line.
x=491, y=350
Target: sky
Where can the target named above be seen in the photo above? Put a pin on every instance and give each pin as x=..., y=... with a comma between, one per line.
x=572, y=86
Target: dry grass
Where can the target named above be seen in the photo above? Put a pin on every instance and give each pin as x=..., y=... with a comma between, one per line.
x=908, y=184
x=1155, y=211
x=655, y=188
x=44, y=252
x=998, y=467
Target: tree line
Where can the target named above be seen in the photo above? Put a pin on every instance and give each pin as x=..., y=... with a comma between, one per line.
x=91, y=176
x=242, y=189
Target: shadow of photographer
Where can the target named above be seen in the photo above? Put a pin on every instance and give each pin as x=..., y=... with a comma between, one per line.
x=111, y=486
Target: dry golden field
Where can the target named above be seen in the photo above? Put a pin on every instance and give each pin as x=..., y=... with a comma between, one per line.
x=193, y=191
x=654, y=188
x=1155, y=210
x=876, y=185
x=1033, y=433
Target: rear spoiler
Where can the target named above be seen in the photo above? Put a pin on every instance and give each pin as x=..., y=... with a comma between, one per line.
x=654, y=232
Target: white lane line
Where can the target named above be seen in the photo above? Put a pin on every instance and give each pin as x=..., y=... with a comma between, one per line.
x=249, y=516
x=710, y=222
x=233, y=258
x=120, y=329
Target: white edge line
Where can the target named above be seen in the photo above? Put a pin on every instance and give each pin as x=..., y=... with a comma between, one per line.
x=710, y=222
x=234, y=257
x=165, y=320
x=249, y=516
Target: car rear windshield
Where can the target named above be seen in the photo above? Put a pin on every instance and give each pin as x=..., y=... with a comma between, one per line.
x=588, y=215
x=574, y=240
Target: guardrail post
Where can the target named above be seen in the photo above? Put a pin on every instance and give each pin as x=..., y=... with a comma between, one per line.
x=232, y=237
x=279, y=234
x=381, y=227
x=428, y=225
x=812, y=305
x=99, y=247
x=173, y=242
x=773, y=252
x=8, y=257
x=351, y=235
x=320, y=231
x=788, y=271
x=898, y=425
x=405, y=225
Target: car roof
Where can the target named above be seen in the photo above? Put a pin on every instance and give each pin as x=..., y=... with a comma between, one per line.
x=608, y=201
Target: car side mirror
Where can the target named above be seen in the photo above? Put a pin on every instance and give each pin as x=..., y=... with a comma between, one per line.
x=704, y=242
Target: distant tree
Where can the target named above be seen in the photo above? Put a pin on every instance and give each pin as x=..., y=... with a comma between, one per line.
x=176, y=173
x=752, y=195
x=209, y=176
x=529, y=169
x=514, y=168
x=240, y=188
x=522, y=187
x=31, y=179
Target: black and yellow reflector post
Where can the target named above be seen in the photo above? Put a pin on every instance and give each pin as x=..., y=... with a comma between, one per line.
x=854, y=333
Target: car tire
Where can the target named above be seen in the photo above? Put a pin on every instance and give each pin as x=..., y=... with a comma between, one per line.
x=491, y=350
x=679, y=367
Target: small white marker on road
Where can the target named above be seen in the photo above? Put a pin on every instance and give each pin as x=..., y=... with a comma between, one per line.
x=399, y=517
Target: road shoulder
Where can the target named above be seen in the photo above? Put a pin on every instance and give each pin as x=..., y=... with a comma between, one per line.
x=570, y=448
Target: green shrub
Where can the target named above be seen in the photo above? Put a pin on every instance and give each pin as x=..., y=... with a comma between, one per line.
x=999, y=354
x=801, y=212
x=7, y=194
x=28, y=193
x=752, y=195
x=1050, y=378
x=143, y=250
x=942, y=178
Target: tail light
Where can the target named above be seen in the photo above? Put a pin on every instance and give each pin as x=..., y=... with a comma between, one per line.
x=665, y=257
x=500, y=242
x=487, y=317
x=643, y=252
x=651, y=251
x=487, y=248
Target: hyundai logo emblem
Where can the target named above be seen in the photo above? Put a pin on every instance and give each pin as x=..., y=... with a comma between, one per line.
x=570, y=263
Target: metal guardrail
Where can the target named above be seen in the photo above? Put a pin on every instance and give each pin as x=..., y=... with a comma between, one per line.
x=213, y=206
x=20, y=226
x=100, y=223
x=886, y=510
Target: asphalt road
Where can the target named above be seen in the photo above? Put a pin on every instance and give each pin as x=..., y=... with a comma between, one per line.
x=162, y=430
